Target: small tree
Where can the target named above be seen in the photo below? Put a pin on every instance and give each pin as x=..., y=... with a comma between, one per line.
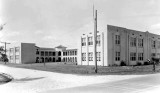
x=155, y=61
x=3, y=55
x=123, y=63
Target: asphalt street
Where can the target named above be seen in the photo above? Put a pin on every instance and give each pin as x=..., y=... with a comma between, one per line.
x=133, y=85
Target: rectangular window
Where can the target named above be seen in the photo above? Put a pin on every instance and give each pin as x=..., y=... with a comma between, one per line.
x=140, y=42
x=75, y=52
x=98, y=40
x=90, y=41
x=83, y=41
x=132, y=56
x=17, y=49
x=54, y=53
x=83, y=56
x=50, y=53
x=46, y=53
x=117, y=57
x=117, y=39
x=132, y=42
x=153, y=44
x=37, y=52
x=11, y=50
x=90, y=56
x=11, y=57
x=98, y=56
x=17, y=57
x=42, y=53
x=140, y=56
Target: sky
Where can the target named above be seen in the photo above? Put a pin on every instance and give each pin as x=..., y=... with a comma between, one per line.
x=50, y=23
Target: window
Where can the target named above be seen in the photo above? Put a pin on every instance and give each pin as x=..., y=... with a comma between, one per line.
x=37, y=52
x=17, y=49
x=90, y=56
x=83, y=41
x=83, y=56
x=153, y=44
x=140, y=56
x=11, y=50
x=75, y=52
x=53, y=53
x=98, y=56
x=42, y=53
x=117, y=57
x=132, y=42
x=59, y=53
x=117, y=39
x=50, y=53
x=46, y=53
x=133, y=56
x=17, y=57
x=90, y=41
x=140, y=42
x=98, y=40
x=11, y=57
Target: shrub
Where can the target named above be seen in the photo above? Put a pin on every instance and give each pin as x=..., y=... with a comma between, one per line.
x=139, y=63
x=146, y=63
x=123, y=63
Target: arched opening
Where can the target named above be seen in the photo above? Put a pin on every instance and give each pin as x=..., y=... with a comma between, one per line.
x=54, y=60
x=59, y=59
x=50, y=59
x=59, y=53
x=46, y=59
x=37, y=59
x=73, y=59
x=42, y=59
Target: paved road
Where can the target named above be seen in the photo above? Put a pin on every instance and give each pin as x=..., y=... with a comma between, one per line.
x=134, y=85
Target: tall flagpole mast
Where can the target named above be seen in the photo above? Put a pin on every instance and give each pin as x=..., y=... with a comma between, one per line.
x=95, y=38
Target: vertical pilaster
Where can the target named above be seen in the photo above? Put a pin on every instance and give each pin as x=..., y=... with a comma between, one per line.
x=87, y=47
x=113, y=48
x=136, y=48
x=102, y=46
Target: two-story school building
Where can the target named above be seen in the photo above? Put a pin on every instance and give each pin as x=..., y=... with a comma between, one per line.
x=30, y=53
x=118, y=44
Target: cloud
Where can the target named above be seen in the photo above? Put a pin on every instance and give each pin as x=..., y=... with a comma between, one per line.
x=155, y=26
x=48, y=38
x=38, y=32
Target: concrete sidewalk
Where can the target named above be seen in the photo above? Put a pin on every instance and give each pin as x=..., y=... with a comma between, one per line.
x=34, y=81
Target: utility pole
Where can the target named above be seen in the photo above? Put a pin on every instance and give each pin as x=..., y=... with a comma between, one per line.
x=5, y=45
x=95, y=40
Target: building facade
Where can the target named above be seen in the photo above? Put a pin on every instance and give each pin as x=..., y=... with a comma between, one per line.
x=30, y=53
x=119, y=44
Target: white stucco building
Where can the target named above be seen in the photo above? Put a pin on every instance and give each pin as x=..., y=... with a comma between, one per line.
x=118, y=44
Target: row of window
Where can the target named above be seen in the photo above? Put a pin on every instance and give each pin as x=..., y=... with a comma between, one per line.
x=90, y=56
x=69, y=53
x=46, y=53
x=90, y=41
x=132, y=56
x=16, y=57
x=17, y=49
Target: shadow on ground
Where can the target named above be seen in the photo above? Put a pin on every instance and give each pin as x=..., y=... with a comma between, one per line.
x=27, y=79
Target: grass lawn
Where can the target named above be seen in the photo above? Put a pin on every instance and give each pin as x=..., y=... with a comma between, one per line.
x=71, y=68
